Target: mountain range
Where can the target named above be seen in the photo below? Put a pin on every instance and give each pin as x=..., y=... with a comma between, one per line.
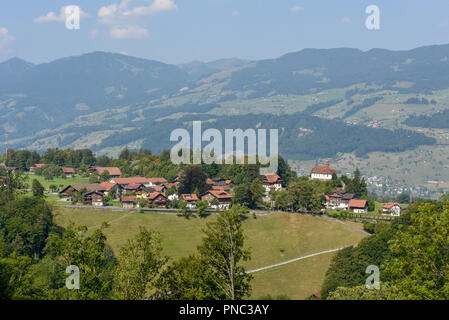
x=84, y=101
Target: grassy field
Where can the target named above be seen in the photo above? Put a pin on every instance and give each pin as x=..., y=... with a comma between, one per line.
x=273, y=238
x=56, y=181
x=298, y=280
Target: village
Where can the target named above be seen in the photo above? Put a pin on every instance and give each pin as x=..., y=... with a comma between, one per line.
x=157, y=192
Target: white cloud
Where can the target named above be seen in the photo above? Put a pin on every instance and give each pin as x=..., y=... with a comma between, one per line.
x=53, y=17
x=130, y=32
x=346, y=20
x=297, y=9
x=153, y=8
x=236, y=13
x=5, y=38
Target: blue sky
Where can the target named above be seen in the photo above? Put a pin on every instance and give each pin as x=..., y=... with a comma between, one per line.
x=177, y=31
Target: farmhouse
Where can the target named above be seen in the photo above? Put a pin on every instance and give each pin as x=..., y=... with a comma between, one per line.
x=392, y=208
x=95, y=198
x=272, y=182
x=68, y=172
x=114, y=172
x=191, y=200
x=224, y=199
x=108, y=186
x=76, y=188
x=157, y=199
x=128, y=201
x=358, y=206
x=323, y=173
x=339, y=199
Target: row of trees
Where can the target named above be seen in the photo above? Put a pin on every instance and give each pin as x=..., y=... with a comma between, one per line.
x=411, y=253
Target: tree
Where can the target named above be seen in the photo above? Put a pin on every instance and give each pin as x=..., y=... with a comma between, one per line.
x=285, y=172
x=90, y=253
x=37, y=188
x=186, y=279
x=403, y=198
x=94, y=178
x=104, y=176
x=201, y=206
x=143, y=202
x=257, y=193
x=419, y=266
x=183, y=209
x=139, y=265
x=222, y=250
x=193, y=179
x=53, y=188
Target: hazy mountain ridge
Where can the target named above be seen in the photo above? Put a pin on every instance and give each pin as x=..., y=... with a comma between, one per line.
x=60, y=101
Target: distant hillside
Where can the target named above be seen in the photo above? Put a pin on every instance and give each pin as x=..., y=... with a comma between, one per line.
x=12, y=70
x=438, y=120
x=198, y=69
x=300, y=136
x=320, y=69
x=105, y=100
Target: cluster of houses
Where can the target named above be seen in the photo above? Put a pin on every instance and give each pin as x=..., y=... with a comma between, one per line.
x=342, y=200
x=134, y=191
x=131, y=191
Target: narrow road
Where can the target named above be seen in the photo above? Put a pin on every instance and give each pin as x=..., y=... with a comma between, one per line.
x=295, y=259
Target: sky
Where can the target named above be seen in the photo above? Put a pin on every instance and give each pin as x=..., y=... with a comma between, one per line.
x=180, y=31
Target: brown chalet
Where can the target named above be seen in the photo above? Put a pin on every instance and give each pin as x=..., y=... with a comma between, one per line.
x=224, y=198
x=128, y=201
x=114, y=172
x=157, y=199
x=68, y=172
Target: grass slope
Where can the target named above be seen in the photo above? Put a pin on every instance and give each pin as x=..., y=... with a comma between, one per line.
x=273, y=238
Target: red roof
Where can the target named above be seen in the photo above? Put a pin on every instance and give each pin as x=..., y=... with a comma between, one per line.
x=390, y=205
x=224, y=188
x=113, y=171
x=336, y=196
x=154, y=195
x=189, y=197
x=219, y=194
x=133, y=186
x=68, y=170
x=140, y=180
x=170, y=185
x=39, y=165
x=271, y=178
x=158, y=180
x=210, y=181
x=128, y=198
x=355, y=203
x=158, y=188
x=324, y=169
x=108, y=185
